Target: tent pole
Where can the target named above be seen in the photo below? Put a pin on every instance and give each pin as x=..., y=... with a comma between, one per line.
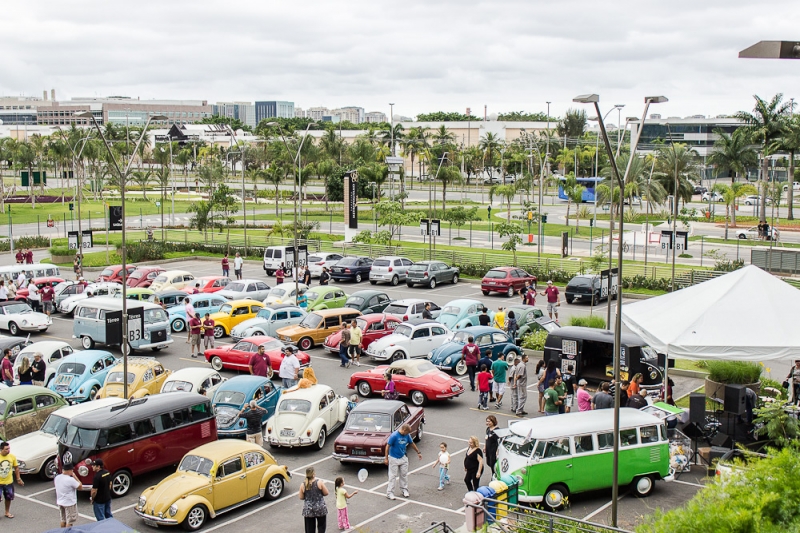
x=666, y=378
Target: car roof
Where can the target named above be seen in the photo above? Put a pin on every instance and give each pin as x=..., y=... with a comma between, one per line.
x=377, y=317
x=244, y=301
x=410, y=301
x=367, y=293
x=44, y=346
x=173, y=272
x=462, y=302
x=505, y=269
x=246, y=280
x=336, y=312
x=421, y=321
x=85, y=356
x=10, y=302
x=140, y=363
x=324, y=289
x=326, y=254
x=6, y=342
x=522, y=308
x=23, y=391
x=171, y=292
x=393, y=257
x=481, y=330
x=309, y=393
x=258, y=339
x=579, y=423
x=189, y=373
x=242, y=383
x=72, y=411
x=276, y=307
x=136, y=409
x=378, y=406
x=222, y=449
x=594, y=334
x=288, y=285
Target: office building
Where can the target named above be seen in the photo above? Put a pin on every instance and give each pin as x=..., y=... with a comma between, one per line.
x=375, y=116
x=273, y=109
x=123, y=110
x=351, y=114
x=316, y=113
x=243, y=111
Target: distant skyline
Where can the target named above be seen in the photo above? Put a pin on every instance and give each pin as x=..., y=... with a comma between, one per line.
x=423, y=56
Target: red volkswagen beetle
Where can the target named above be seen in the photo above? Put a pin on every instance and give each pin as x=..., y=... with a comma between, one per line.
x=506, y=280
x=208, y=284
x=373, y=326
x=237, y=356
x=114, y=273
x=22, y=294
x=143, y=276
x=418, y=379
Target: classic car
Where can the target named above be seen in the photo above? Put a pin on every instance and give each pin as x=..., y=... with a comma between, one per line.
x=368, y=301
x=412, y=339
x=506, y=280
x=493, y=342
x=233, y=313
x=202, y=303
x=316, y=326
x=237, y=356
x=409, y=308
x=24, y=409
x=81, y=375
x=15, y=344
x=106, y=288
x=369, y=426
x=172, y=279
x=143, y=276
x=531, y=319
x=373, y=327
x=114, y=273
x=318, y=260
x=22, y=294
x=140, y=294
x=208, y=284
x=18, y=316
x=431, y=273
x=171, y=297
x=192, y=379
x=306, y=417
x=351, y=268
x=212, y=479
x=37, y=451
x=285, y=293
x=237, y=392
x=245, y=289
x=416, y=379
x=64, y=290
x=268, y=321
x=52, y=353
x=145, y=377
x=752, y=233
x=325, y=297
x=390, y=268
x=461, y=313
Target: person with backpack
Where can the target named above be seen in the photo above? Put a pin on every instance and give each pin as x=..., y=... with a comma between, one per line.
x=471, y=354
x=511, y=325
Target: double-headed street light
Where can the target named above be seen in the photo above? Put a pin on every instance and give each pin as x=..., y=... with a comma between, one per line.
x=594, y=99
x=122, y=179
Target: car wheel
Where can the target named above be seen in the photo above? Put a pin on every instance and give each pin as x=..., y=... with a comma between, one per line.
x=373, y=282
x=178, y=325
x=569, y=300
x=216, y=363
x=742, y=236
x=642, y=486
x=121, y=483
x=398, y=356
x=195, y=518
x=274, y=488
x=555, y=496
x=510, y=292
x=485, y=293
x=364, y=389
x=321, y=438
x=49, y=470
x=455, y=279
x=306, y=343
x=270, y=272
x=156, y=349
x=93, y=392
x=418, y=398
x=219, y=332
x=420, y=432
x=257, y=333
x=409, y=285
x=395, y=281
x=13, y=328
x=461, y=368
x=432, y=283
x=87, y=343
x=358, y=278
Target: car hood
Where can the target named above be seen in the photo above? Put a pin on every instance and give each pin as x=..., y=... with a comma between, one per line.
x=33, y=318
x=295, y=421
x=34, y=445
x=389, y=340
x=75, y=298
x=446, y=350
x=251, y=323
x=172, y=489
x=291, y=331
x=448, y=320
x=362, y=438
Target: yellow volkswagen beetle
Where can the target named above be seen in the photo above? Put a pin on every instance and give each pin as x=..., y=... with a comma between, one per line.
x=212, y=479
x=146, y=376
x=233, y=313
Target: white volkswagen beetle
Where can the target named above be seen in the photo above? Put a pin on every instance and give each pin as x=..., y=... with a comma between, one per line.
x=193, y=379
x=104, y=288
x=18, y=316
x=284, y=293
x=305, y=417
x=52, y=352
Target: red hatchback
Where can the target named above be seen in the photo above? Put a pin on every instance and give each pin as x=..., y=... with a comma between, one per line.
x=208, y=284
x=506, y=280
x=237, y=356
x=22, y=294
x=143, y=276
x=114, y=273
x=373, y=327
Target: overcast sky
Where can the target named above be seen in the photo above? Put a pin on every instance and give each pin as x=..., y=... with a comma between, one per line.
x=423, y=55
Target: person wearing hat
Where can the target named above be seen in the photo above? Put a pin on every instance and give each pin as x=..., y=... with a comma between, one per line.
x=38, y=367
x=67, y=485
x=552, y=299
x=584, y=398
x=101, y=491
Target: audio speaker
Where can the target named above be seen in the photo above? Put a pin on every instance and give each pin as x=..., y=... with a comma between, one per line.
x=735, y=399
x=692, y=431
x=697, y=408
x=722, y=440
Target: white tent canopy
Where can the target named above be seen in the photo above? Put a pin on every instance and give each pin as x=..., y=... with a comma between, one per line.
x=746, y=315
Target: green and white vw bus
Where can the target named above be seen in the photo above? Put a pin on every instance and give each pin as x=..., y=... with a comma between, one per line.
x=555, y=456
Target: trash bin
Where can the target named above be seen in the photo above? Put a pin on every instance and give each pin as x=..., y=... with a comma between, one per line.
x=473, y=511
x=501, y=495
x=488, y=493
x=513, y=488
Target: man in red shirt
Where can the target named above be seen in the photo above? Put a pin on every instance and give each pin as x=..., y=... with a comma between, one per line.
x=20, y=257
x=552, y=299
x=225, y=265
x=194, y=333
x=279, y=275
x=29, y=256
x=471, y=353
x=208, y=330
x=47, y=293
x=259, y=363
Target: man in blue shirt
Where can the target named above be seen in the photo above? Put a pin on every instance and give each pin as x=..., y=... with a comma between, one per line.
x=398, y=461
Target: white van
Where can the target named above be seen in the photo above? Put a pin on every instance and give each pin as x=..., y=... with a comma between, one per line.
x=91, y=324
x=35, y=270
x=275, y=256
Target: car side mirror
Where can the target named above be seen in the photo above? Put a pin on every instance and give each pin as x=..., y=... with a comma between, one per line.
x=536, y=458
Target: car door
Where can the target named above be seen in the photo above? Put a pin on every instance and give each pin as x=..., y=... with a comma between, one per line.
x=484, y=342
x=381, y=302
x=230, y=483
x=325, y=411
x=499, y=343
x=240, y=354
x=201, y=306
x=278, y=320
x=420, y=342
x=268, y=399
x=4, y=318
x=20, y=419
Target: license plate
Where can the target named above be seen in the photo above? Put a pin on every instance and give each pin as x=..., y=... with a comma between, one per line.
x=492, y=283
x=287, y=433
x=359, y=452
x=150, y=523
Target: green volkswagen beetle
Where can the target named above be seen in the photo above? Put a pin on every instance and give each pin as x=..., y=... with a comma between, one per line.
x=141, y=294
x=325, y=297
x=368, y=301
x=24, y=408
x=530, y=319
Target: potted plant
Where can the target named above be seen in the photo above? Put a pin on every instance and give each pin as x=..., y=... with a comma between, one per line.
x=721, y=373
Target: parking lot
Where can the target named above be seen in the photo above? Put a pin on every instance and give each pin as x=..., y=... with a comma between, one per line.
x=452, y=421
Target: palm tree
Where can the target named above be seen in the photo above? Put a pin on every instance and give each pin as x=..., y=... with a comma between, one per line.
x=142, y=179
x=203, y=218
x=411, y=145
x=449, y=175
x=443, y=136
x=397, y=131
x=789, y=141
x=574, y=192
x=490, y=145
x=211, y=174
x=733, y=154
x=677, y=160
x=332, y=144
x=507, y=192
x=765, y=124
x=25, y=157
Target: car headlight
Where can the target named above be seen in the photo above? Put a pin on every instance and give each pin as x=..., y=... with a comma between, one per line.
x=430, y=356
x=142, y=501
x=83, y=471
x=147, y=335
x=22, y=464
x=447, y=361
x=173, y=509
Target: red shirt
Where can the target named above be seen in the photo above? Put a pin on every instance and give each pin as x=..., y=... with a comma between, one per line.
x=260, y=364
x=224, y=262
x=279, y=276
x=471, y=354
x=483, y=381
x=552, y=294
x=209, y=325
x=20, y=257
x=47, y=293
x=29, y=258
x=194, y=324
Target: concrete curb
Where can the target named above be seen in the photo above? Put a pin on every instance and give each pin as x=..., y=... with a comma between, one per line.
x=178, y=260
x=687, y=373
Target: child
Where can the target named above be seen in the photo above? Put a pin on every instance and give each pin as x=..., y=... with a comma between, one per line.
x=443, y=462
x=341, y=503
x=484, y=386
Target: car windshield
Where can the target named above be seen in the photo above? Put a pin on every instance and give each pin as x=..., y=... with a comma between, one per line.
x=153, y=316
x=15, y=309
x=345, y=261
x=354, y=300
x=61, y=286
x=381, y=263
x=403, y=330
x=229, y=397
x=116, y=377
x=226, y=309
x=107, y=272
x=580, y=282
x=264, y=313
x=160, y=279
x=136, y=274
x=373, y=422
x=425, y=367
x=55, y=425
x=418, y=268
x=292, y=405
x=80, y=437
x=196, y=464
x=272, y=345
x=648, y=353
x=314, y=258
x=362, y=324
x=277, y=293
x=312, y=296
x=496, y=274
x=518, y=445
x=235, y=287
x=451, y=310
x=311, y=321
x=72, y=368
x=462, y=337
x=394, y=309
x=177, y=386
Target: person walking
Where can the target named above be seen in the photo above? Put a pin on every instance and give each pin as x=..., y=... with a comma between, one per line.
x=397, y=460
x=473, y=464
x=238, y=263
x=48, y=295
x=76, y=266
x=484, y=319
x=253, y=415
x=584, y=398
x=521, y=381
x=208, y=331
x=484, y=387
x=486, y=361
x=426, y=313
x=552, y=299
x=290, y=366
x=551, y=399
x=355, y=342
x=25, y=372
x=499, y=372
x=541, y=386
x=491, y=444
x=7, y=368
x=603, y=400
x=344, y=346
x=226, y=267
x=341, y=503
x=561, y=389
x=34, y=296
x=9, y=469
x=571, y=386
x=511, y=325
x=315, y=511
x=279, y=275
x=306, y=276
x=499, y=320
x=195, y=325
x=3, y=291
x=512, y=382
x=260, y=364
x=324, y=276
x=471, y=354
x=100, y=496
x=38, y=367
x=389, y=391
x=67, y=485
x=443, y=462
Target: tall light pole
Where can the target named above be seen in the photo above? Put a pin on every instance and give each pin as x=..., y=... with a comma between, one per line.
x=542, y=178
x=391, y=124
x=594, y=99
x=123, y=249
x=244, y=204
x=619, y=107
x=78, y=183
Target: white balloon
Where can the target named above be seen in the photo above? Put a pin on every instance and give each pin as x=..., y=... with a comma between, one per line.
x=363, y=475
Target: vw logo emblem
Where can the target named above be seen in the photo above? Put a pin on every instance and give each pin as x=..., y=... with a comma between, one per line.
x=67, y=458
x=504, y=465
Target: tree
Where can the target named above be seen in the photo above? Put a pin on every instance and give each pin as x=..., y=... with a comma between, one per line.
x=391, y=215
x=789, y=141
x=274, y=176
x=211, y=174
x=460, y=216
x=733, y=153
x=573, y=125
x=490, y=146
x=202, y=219
x=522, y=116
x=223, y=200
x=677, y=160
x=142, y=179
x=444, y=116
x=765, y=125
x=512, y=231
x=507, y=192
x=449, y=175
x=443, y=136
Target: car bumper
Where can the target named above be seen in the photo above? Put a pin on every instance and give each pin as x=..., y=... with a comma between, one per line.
x=343, y=277
x=445, y=396
x=374, y=460
x=162, y=344
x=31, y=467
x=331, y=349
x=38, y=327
x=232, y=433
x=493, y=288
x=290, y=442
x=446, y=368
x=155, y=520
x=380, y=357
x=386, y=276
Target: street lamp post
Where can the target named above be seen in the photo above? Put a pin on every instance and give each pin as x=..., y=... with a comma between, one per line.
x=78, y=188
x=542, y=178
x=374, y=215
x=244, y=204
x=122, y=179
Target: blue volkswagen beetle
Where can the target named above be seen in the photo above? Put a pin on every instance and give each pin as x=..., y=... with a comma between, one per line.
x=462, y=313
x=493, y=342
x=80, y=375
x=203, y=303
x=231, y=397
x=268, y=321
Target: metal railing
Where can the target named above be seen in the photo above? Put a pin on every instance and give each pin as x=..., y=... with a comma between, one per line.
x=439, y=527
x=508, y=517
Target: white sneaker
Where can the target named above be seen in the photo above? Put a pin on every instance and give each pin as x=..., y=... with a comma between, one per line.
x=405, y=494
x=358, y=363
x=390, y=496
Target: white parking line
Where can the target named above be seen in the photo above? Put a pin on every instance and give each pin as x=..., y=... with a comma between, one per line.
x=51, y=506
x=698, y=485
x=131, y=506
x=602, y=508
x=428, y=465
x=41, y=492
x=446, y=436
x=302, y=469
x=250, y=513
x=387, y=511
